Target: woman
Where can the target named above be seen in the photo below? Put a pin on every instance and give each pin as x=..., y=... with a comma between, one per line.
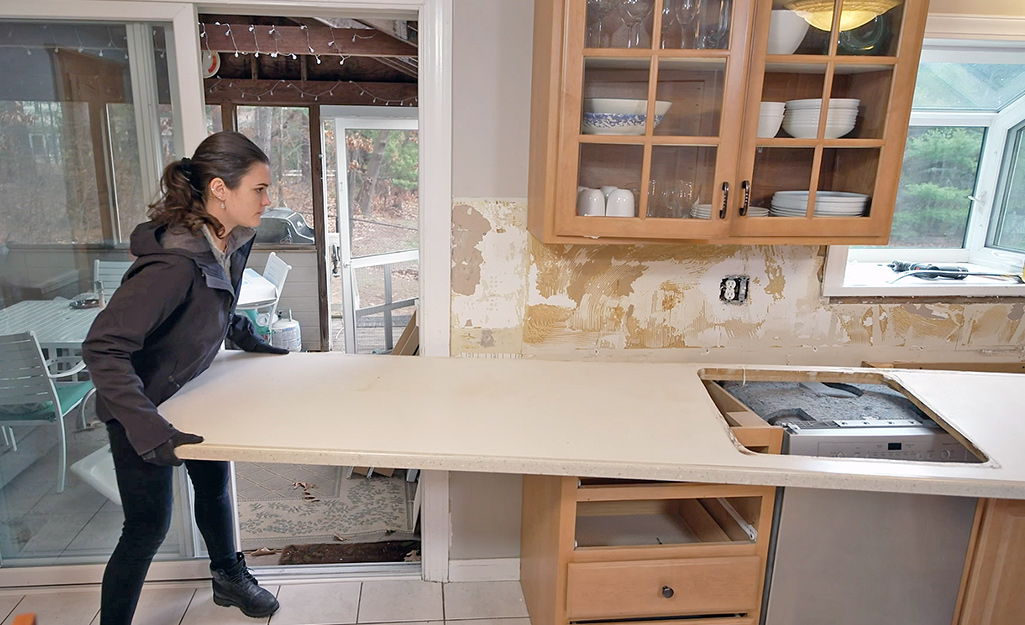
x=162, y=327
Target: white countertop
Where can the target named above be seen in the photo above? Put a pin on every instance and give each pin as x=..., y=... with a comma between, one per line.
x=601, y=419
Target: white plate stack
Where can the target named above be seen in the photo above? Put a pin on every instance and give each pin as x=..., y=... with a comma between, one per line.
x=704, y=211
x=827, y=204
x=801, y=117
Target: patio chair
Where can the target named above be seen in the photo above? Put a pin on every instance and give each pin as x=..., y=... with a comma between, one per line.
x=275, y=271
x=29, y=396
x=109, y=274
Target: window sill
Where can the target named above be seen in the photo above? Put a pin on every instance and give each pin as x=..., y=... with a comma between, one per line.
x=845, y=278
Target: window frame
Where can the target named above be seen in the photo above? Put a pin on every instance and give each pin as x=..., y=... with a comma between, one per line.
x=987, y=191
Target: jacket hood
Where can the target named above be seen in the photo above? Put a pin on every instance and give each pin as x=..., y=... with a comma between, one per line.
x=151, y=238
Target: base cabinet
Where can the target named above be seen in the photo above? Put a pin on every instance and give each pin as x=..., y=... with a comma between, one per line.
x=597, y=550
x=995, y=572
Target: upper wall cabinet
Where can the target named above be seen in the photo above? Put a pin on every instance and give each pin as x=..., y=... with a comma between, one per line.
x=731, y=121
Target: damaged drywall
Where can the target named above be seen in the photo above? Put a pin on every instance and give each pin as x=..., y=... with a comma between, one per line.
x=662, y=302
x=489, y=276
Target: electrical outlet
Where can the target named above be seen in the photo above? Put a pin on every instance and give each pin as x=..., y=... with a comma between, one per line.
x=733, y=289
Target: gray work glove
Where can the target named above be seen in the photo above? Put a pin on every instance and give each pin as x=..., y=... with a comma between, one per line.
x=163, y=455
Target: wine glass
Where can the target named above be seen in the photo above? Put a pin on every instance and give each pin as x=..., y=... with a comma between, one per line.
x=717, y=35
x=685, y=11
x=597, y=37
x=633, y=13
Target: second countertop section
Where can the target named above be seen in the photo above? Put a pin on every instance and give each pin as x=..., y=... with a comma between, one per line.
x=617, y=420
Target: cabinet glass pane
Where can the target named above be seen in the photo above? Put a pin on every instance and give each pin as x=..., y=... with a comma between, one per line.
x=696, y=24
x=849, y=175
x=627, y=24
x=694, y=90
x=602, y=20
x=667, y=522
x=781, y=169
x=682, y=180
x=713, y=24
x=862, y=94
x=615, y=96
x=787, y=83
x=870, y=27
x=800, y=26
x=609, y=168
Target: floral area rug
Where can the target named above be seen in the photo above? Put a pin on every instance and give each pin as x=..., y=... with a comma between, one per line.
x=282, y=505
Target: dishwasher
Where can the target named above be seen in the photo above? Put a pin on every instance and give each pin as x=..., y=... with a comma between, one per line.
x=851, y=557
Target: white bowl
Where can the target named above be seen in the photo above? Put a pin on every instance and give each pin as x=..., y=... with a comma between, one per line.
x=623, y=106
x=810, y=131
x=768, y=126
x=786, y=32
x=834, y=103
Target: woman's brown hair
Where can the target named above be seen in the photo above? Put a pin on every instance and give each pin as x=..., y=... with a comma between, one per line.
x=227, y=155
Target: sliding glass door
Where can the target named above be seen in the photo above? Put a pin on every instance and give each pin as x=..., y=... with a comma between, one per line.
x=91, y=108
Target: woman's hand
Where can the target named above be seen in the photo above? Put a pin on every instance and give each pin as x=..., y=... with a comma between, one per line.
x=163, y=455
x=266, y=348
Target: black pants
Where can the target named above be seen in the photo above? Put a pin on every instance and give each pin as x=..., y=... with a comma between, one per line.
x=147, y=497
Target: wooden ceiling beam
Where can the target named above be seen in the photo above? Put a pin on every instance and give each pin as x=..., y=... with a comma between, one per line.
x=320, y=40
x=304, y=93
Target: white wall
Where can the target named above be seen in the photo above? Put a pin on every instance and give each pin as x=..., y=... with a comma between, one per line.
x=491, y=48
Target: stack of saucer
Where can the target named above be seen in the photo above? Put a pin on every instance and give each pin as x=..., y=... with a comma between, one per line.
x=701, y=211
x=827, y=204
x=801, y=117
x=757, y=211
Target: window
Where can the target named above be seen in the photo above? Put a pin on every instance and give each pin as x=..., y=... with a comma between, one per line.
x=960, y=200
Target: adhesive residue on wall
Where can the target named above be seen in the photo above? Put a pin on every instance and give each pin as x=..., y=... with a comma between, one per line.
x=581, y=300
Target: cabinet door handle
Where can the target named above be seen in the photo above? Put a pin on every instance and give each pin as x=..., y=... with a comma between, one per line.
x=725, y=203
x=667, y=592
x=746, y=186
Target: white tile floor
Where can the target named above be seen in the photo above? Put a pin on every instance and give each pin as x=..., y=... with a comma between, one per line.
x=409, y=602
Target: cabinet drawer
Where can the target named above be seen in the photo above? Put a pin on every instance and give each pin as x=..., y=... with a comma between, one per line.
x=638, y=588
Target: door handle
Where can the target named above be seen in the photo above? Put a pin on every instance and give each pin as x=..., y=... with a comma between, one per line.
x=746, y=186
x=725, y=199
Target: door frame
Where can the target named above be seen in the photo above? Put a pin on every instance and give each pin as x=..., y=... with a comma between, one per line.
x=371, y=118
x=435, y=120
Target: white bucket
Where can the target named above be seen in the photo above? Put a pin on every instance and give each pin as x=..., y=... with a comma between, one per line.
x=285, y=333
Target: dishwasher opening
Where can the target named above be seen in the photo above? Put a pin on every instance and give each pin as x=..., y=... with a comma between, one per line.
x=839, y=415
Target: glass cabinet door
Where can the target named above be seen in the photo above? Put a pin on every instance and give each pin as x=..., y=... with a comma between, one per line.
x=654, y=95
x=816, y=136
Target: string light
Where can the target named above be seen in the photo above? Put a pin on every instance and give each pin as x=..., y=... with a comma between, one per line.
x=256, y=41
x=273, y=34
x=330, y=91
x=309, y=45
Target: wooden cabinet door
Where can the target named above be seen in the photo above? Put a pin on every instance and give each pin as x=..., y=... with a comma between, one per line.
x=830, y=173
x=647, y=107
x=995, y=575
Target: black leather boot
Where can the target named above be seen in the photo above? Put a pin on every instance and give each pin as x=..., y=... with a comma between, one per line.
x=236, y=586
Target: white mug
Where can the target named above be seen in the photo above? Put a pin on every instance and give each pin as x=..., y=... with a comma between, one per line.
x=607, y=190
x=590, y=203
x=620, y=204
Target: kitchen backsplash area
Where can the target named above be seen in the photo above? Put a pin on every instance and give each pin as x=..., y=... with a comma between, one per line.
x=514, y=296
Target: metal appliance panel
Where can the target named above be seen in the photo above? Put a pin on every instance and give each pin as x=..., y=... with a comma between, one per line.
x=860, y=558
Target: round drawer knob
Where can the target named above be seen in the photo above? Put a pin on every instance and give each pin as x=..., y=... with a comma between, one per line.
x=667, y=592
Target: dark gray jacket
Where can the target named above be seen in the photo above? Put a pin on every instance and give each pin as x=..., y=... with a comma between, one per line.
x=163, y=326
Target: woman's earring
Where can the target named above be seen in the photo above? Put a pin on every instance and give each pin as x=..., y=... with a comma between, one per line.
x=222, y=206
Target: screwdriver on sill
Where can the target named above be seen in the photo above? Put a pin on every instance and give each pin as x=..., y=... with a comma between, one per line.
x=951, y=272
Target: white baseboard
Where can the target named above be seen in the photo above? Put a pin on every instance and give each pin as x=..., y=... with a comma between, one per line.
x=484, y=570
